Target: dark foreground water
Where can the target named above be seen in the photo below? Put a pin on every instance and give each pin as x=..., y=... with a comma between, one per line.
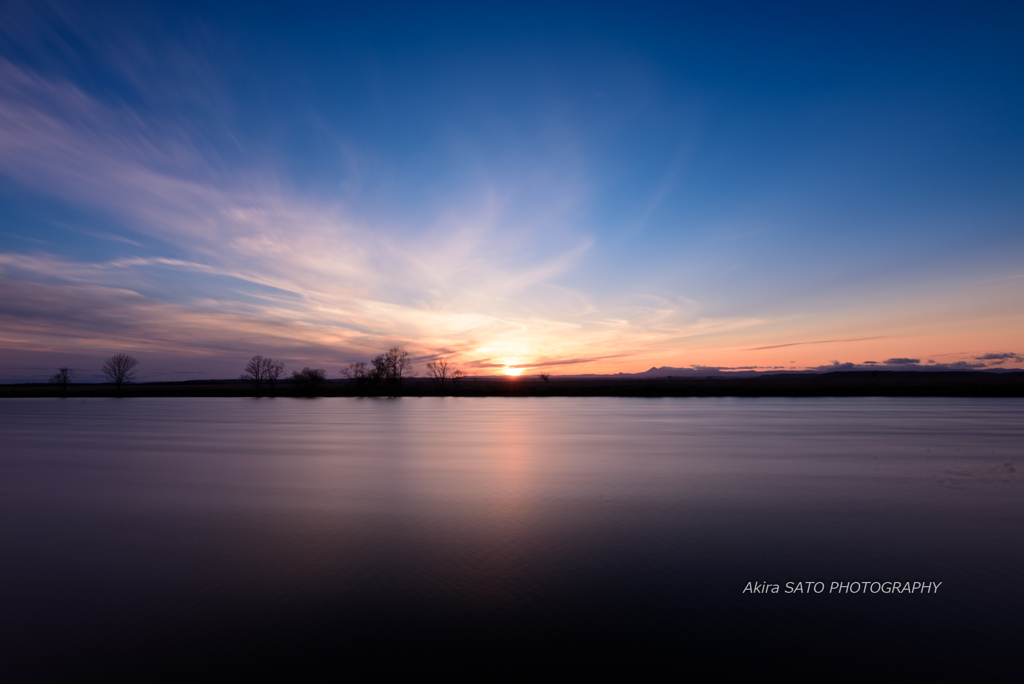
x=204, y=538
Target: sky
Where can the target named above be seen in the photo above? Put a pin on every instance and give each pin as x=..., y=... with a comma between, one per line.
x=519, y=188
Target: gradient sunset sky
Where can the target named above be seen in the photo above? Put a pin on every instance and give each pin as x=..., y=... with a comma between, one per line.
x=563, y=188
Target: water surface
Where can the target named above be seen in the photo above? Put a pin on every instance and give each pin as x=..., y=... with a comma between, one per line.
x=292, y=537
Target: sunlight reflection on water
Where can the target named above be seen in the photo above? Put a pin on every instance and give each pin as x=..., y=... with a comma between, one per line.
x=590, y=526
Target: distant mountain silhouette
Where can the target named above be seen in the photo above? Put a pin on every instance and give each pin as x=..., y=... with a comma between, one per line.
x=892, y=365
x=696, y=372
x=699, y=372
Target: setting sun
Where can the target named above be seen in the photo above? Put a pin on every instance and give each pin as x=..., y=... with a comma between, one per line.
x=510, y=371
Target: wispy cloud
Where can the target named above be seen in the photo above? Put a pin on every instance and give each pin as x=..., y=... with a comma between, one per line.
x=1017, y=276
x=798, y=344
x=898, y=365
x=315, y=280
x=997, y=359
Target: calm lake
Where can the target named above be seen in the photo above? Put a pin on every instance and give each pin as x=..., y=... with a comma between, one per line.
x=289, y=537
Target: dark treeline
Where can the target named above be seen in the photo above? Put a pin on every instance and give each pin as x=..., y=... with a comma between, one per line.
x=390, y=369
x=384, y=375
x=836, y=384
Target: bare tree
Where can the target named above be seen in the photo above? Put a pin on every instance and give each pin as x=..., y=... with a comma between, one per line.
x=545, y=377
x=390, y=367
x=255, y=372
x=356, y=372
x=381, y=369
x=120, y=368
x=308, y=379
x=62, y=377
x=262, y=371
x=398, y=364
x=457, y=377
x=440, y=371
x=271, y=372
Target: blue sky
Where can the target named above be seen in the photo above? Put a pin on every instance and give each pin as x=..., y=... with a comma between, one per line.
x=573, y=187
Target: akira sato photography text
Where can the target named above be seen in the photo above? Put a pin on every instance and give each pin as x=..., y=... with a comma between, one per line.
x=843, y=588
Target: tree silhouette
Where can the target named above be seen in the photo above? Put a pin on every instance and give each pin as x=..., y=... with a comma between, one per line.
x=62, y=377
x=262, y=371
x=391, y=366
x=440, y=371
x=308, y=379
x=356, y=371
x=255, y=372
x=399, y=365
x=271, y=372
x=381, y=369
x=120, y=368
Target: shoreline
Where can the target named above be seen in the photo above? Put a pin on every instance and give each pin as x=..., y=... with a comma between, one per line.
x=836, y=384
